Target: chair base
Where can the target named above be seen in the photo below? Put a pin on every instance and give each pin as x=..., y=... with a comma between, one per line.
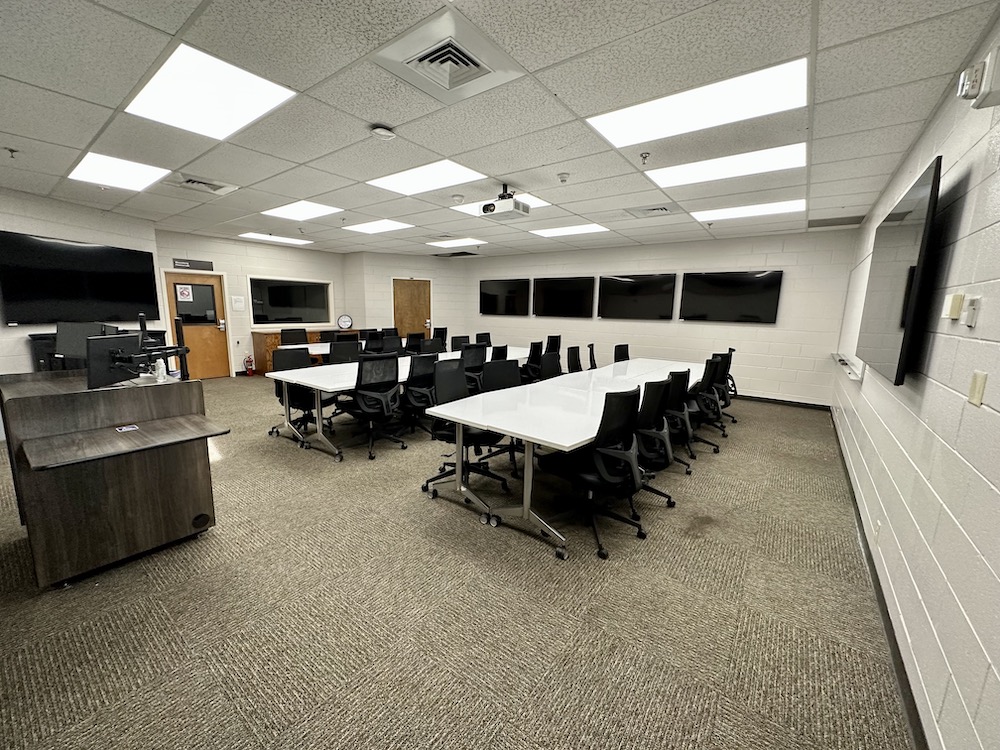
x=479, y=467
x=590, y=514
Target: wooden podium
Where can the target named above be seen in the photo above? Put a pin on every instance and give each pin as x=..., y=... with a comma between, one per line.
x=102, y=475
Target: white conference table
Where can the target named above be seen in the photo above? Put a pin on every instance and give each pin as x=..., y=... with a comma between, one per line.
x=328, y=379
x=562, y=413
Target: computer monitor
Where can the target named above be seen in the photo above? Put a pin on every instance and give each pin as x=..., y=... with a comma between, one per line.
x=71, y=338
x=104, y=353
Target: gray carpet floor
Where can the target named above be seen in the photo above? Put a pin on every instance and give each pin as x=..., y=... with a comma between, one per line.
x=334, y=605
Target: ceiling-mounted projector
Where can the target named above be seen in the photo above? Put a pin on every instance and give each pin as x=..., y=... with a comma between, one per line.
x=505, y=207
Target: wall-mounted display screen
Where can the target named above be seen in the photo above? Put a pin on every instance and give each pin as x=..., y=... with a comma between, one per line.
x=276, y=301
x=45, y=280
x=564, y=298
x=731, y=297
x=503, y=297
x=904, y=267
x=646, y=297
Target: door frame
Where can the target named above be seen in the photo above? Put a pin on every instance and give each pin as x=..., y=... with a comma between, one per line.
x=167, y=290
x=392, y=296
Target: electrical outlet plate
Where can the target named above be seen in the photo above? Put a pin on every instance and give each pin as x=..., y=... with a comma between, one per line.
x=970, y=311
x=977, y=388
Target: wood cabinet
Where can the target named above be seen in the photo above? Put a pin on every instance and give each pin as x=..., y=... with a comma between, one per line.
x=265, y=342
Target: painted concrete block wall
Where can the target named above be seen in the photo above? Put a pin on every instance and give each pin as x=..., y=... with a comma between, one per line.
x=789, y=360
x=925, y=464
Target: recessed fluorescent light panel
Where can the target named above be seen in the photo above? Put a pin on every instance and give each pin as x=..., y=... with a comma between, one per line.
x=738, y=165
x=375, y=227
x=301, y=210
x=202, y=94
x=119, y=173
x=275, y=238
x=476, y=209
x=742, y=212
x=440, y=174
x=466, y=242
x=763, y=92
x=564, y=231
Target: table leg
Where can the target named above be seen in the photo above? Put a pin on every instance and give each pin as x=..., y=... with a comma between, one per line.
x=320, y=437
x=460, y=485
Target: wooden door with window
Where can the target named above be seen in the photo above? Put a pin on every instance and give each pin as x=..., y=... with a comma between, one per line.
x=411, y=306
x=198, y=300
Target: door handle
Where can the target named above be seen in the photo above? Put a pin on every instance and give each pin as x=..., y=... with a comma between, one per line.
x=427, y=324
x=222, y=325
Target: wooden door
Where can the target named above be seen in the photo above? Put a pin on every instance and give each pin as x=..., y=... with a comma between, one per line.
x=198, y=300
x=411, y=306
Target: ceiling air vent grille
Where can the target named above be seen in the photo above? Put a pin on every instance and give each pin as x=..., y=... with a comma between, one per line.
x=456, y=254
x=839, y=221
x=202, y=186
x=649, y=212
x=448, y=65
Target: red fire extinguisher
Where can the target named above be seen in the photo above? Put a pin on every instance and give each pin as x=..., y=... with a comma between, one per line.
x=248, y=364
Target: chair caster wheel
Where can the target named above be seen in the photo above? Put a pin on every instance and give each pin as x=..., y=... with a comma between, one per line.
x=687, y=471
x=561, y=552
x=441, y=468
x=505, y=487
x=339, y=457
x=641, y=534
x=671, y=503
x=515, y=474
x=484, y=518
x=371, y=456
x=468, y=501
x=494, y=521
x=402, y=447
x=602, y=553
x=307, y=446
x=423, y=487
x=715, y=449
x=735, y=420
x=693, y=456
x=636, y=517
x=545, y=535
x=725, y=434
x=434, y=494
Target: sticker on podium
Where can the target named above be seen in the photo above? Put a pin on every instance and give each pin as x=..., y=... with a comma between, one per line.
x=127, y=428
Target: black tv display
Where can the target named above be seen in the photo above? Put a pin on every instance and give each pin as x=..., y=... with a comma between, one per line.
x=905, y=263
x=564, y=298
x=45, y=280
x=731, y=296
x=276, y=301
x=103, y=366
x=646, y=297
x=503, y=297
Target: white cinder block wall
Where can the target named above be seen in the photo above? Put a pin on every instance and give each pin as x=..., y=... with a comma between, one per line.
x=925, y=464
x=789, y=360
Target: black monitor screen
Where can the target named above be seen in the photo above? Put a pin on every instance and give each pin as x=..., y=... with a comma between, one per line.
x=44, y=280
x=731, y=297
x=647, y=297
x=564, y=298
x=503, y=297
x=104, y=367
x=71, y=338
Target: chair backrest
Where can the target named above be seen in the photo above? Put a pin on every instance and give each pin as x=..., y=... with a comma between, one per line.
x=290, y=359
x=390, y=332
x=573, y=363
x=377, y=372
x=722, y=375
x=551, y=365
x=500, y=374
x=619, y=419
x=708, y=378
x=392, y=344
x=484, y=338
x=414, y=340
x=421, y=370
x=441, y=334
x=364, y=333
x=325, y=337
x=431, y=346
x=449, y=381
x=654, y=400
x=535, y=354
x=373, y=344
x=344, y=351
x=294, y=336
x=553, y=344
x=343, y=336
x=677, y=392
x=457, y=342
x=473, y=357
x=593, y=359
x=621, y=352
x=499, y=352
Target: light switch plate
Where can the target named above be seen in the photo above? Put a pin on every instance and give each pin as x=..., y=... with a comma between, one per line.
x=952, y=309
x=977, y=388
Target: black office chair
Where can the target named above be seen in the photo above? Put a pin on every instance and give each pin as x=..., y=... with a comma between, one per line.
x=418, y=391
x=678, y=419
x=343, y=336
x=441, y=334
x=608, y=467
x=327, y=337
x=724, y=384
x=431, y=346
x=653, y=437
x=364, y=333
x=484, y=338
x=499, y=375
x=473, y=358
x=552, y=344
x=373, y=343
x=342, y=351
x=593, y=359
x=532, y=369
x=294, y=336
x=621, y=352
x=499, y=352
x=551, y=366
x=413, y=342
x=704, y=407
x=300, y=398
x=450, y=385
x=392, y=345
x=390, y=332
x=573, y=363
x=375, y=399
x=457, y=342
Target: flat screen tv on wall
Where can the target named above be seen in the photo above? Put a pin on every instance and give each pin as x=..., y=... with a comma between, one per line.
x=905, y=263
x=46, y=280
x=564, y=298
x=732, y=296
x=503, y=297
x=646, y=297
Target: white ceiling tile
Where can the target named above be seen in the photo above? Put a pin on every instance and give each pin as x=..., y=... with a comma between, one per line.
x=180, y=223
x=160, y=204
x=633, y=226
x=855, y=209
x=166, y=16
x=356, y=196
x=676, y=236
x=373, y=94
x=890, y=140
x=591, y=206
x=302, y=43
x=490, y=117
x=373, y=158
x=180, y=193
x=884, y=164
x=745, y=199
x=26, y=182
x=581, y=169
x=405, y=209
x=786, y=178
x=606, y=188
x=89, y=52
x=901, y=104
x=848, y=187
x=471, y=192
x=48, y=116
x=538, y=33
x=147, y=142
x=236, y=165
x=90, y=194
x=302, y=182
x=842, y=203
x=525, y=150
x=301, y=130
x=844, y=21
x=250, y=200
x=718, y=41
x=909, y=54
x=213, y=214
x=428, y=218
x=139, y=213
x=36, y=156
